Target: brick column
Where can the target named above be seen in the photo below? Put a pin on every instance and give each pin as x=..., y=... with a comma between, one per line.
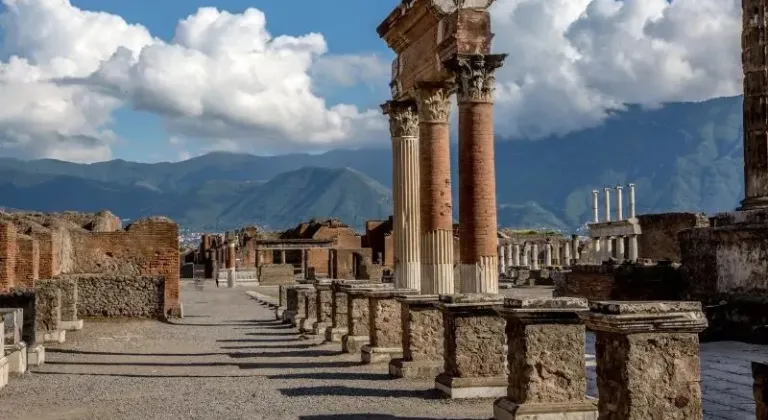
x=477, y=176
x=435, y=184
x=755, y=113
x=404, y=128
x=647, y=356
x=8, y=251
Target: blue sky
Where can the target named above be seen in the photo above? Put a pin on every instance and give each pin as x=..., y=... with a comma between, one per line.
x=349, y=26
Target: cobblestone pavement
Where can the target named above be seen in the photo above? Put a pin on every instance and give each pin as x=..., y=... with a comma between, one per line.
x=229, y=360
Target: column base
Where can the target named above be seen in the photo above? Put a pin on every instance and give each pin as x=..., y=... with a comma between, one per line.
x=318, y=328
x=399, y=368
x=409, y=276
x=5, y=370
x=35, y=355
x=288, y=316
x=353, y=343
x=54, y=336
x=17, y=358
x=478, y=387
x=373, y=355
x=438, y=278
x=306, y=325
x=334, y=335
x=480, y=277
x=71, y=325
x=504, y=409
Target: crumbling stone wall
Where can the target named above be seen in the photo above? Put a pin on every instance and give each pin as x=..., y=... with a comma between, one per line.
x=47, y=305
x=625, y=282
x=27, y=261
x=271, y=274
x=119, y=295
x=345, y=262
x=8, y=250
x=148, y=247
x=659, y=240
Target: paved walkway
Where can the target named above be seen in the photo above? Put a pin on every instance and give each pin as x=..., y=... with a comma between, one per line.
x=229, y=360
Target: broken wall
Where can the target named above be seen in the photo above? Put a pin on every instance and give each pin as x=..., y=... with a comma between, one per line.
x=659, y=240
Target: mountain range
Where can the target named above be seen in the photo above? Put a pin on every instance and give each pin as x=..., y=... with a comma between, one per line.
x=682, y=156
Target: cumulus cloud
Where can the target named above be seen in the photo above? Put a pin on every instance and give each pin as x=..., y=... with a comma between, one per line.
x=225, y=82
x=571, y=62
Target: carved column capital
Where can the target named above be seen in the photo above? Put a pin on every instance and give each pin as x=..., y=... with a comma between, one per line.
x=403, y=118
x=434, y=101
x=475, y=75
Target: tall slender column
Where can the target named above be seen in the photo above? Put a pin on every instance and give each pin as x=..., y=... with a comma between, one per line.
x=282, y=256
x=620, y=248
x=502, y=260
x=632, y=201
x=535, y=257
x=516, y=256
x=619, y=203
x=595, y=206
x=607, y=204
x=548, y=255
x=566, y=255
x=404, y=128
x=633, y=248
x=575, y=247
x=754, y=64
x=477, y=176
x=510, y=256
x=435, y=188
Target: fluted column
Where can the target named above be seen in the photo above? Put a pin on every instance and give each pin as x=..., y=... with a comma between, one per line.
x=575, y=247
x=632, y=201
x=620, y=249
x=633, y=248
x=477, y=176
x=607, y=204
x=548, y=255
x=595, y=206
x=435, y=188
x=502, y=260
x=535, y=257
x=404, y=129
x=619, y=203
x=510, y=256
x=516, y=255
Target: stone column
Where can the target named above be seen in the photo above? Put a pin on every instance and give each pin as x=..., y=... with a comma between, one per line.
x=473, y=347
x=597, y=244
x=404, y=129
x=527, y=256
x=510, y=256
x=619, y=203
x=477, y=177
x=609, y=247
x=385, y=326
x=358, y=316
x=324, y=301
x=647, y=356
x=260, y=256
x=632, y=214
x=633, y=248
x=423, y=337
x=595, y=206
x=502, y=260
x=567, y=255
x=545, y=336
x=575, y=244
x=231, y=262
x=607, y=204
x=548, y=255
x=535, y=257
x=760, y=388
x=516, y=256
x=620, y=249
x=435, y=188
x=754, y=65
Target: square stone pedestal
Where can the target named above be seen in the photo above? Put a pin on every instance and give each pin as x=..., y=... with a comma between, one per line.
x=338, y=328
x=35, y=355
x=69, y=297
x=475, y=365
x=386, y=333
x=17, y=357
x=358, y=317
x=311, y=312
x=423, y=336
x=323, y=303
x=297, y=303
x=647, y=356
x=546, y=343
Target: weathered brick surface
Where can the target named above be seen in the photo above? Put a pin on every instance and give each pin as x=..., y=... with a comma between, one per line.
x=659, y=240
x=8, y=252
x=49, y=246
x=148, y=247
x=435, y=176
x=385, y=322
x=626, y=282
x=27, y=261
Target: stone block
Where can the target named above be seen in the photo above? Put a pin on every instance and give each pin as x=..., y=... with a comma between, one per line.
x=358, y=320
x=423, y=335
x=35, y=355
x=17, y=358
x=647, y=356
x=474, y=343
x=760, y=375
x=384, y=318
x=546, y=343
x=24, y=300
x=276, y=274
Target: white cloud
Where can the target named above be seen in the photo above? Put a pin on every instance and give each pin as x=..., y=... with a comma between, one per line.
x=225, y=82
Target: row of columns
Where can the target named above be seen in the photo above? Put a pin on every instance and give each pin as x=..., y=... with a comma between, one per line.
x=625, y=248
x=514, y=255
x=619, y=204
x=423, y=216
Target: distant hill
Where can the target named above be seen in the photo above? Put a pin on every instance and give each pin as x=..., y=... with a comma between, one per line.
x=683, y=156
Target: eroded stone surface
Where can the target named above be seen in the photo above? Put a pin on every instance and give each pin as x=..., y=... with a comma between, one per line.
x=357, y=315
x=339, y=309
x=625, y=308
x=472, y=298
x=546, y=303
x=324, y=301
x=310, y=303
x=423, y=332
x=385, y=322
x=474, y=344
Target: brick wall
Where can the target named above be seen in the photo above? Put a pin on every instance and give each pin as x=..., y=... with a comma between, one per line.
x=27, y=261
x=625, y=282
x=659, y=240
x=148, y=247
x=50, y=249
x=318, y=258
x=8, y=250
x=345, y=262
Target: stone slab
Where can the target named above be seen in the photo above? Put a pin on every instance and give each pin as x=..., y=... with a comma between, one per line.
x=504, y=409
x=334, y=335
x=353, y=343
x=17, y=358
x=373, y=355
x=464, y=388
x=399, y=368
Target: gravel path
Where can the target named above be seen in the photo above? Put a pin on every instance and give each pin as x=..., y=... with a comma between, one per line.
x=227, y=359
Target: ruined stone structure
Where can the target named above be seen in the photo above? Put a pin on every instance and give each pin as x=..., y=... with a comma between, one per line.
x=617, y=238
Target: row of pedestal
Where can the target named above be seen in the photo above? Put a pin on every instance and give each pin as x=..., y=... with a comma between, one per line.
x=528, y=353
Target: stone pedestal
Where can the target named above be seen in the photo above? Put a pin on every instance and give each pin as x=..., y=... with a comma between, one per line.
x=4, y=371
x=323, y=302
x=475, y=358
x=423, y=336
x=283, y=301
x=48, y=312
x=297, y=299
x=69, y=319
x=358, y=320
x=546, y=343
x=310, y=305
x=385, y=333
x=17, y=358
x=760, y=375
x=338, y=327
x=647, y=356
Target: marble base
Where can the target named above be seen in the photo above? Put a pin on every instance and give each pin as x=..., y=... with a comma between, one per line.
x=36, y=355
x=353, y=343
x=71, y=325
x=482, y=387
x=504, y=409
x=17, y=358
x=372, y=355
x=306, y=325
x=334, y=335
x=318, y=328
x=399, y=368
x=5, y=370
x=55, y=336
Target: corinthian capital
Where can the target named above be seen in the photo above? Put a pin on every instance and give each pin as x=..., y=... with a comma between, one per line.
x=434, y=101
x=403, y=119
x=475, y=75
